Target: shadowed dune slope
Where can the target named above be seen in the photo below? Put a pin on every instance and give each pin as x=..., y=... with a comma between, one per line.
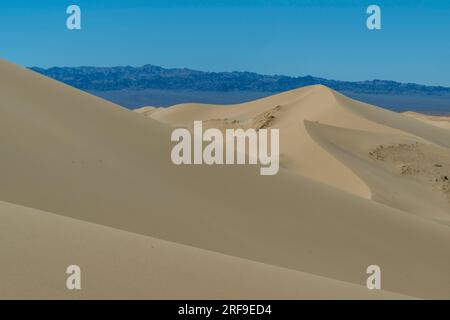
x=368, y=128
x=388, y=184
x=159, y=269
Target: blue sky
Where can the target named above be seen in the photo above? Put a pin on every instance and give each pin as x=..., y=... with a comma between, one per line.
x=326, y=38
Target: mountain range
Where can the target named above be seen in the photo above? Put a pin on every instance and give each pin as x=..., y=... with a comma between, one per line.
x=154, y=77
x=139, y=86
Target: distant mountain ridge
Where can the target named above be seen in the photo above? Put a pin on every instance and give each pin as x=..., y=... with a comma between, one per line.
x=153, y=77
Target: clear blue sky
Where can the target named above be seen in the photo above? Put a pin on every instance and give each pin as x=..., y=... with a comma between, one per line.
x=295, y=37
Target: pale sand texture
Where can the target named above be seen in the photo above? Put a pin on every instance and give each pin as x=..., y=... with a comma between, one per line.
x=123, y=264
x=303, y=115
x=310, y=231
x=438, y=121
x=146, y=111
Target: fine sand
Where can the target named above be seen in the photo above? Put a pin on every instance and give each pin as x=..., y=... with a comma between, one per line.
x=146, y=111
x=87, y=182
x=438, y=121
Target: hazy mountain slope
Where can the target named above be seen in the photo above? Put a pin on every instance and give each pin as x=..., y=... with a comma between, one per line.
x=151, y=85
x=154, y=77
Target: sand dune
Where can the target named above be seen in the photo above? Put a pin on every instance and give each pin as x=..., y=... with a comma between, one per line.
x=388, y=183
x=105, y=174
x=116, y=261
x=438, y=121
x=301, y=152
x=146, y=111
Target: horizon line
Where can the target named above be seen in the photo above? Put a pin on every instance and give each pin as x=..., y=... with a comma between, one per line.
x=235, y=71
